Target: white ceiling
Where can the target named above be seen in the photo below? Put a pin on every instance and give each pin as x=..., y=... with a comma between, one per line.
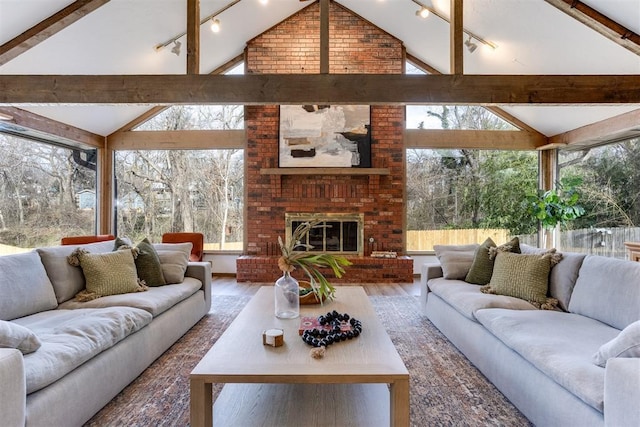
x=533, y=37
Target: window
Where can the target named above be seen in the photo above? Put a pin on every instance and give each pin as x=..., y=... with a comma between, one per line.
x=46, y=192
x=609, y=187
x=159, y=191
x=465, y=196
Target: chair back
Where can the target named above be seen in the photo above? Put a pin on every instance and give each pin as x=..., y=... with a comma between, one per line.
x=197, y=239
x=81, y=240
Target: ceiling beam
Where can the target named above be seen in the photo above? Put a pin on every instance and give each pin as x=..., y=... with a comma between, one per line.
x=456, y=56
x=182, y=139
x=264, y=89
x=602, y=131
x=472, y=139
x=47, y=28
x=600, y=23
x=70, y=134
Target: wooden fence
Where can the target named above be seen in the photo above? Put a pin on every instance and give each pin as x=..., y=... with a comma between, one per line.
x=607, y=242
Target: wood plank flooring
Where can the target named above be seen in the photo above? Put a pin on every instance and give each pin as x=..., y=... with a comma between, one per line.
x=227, y=285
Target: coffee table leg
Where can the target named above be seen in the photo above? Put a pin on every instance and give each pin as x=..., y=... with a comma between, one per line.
x=399, y=392
x=201, y=403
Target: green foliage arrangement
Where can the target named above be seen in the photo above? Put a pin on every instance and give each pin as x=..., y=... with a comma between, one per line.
x=309, y=262
x=556, y=207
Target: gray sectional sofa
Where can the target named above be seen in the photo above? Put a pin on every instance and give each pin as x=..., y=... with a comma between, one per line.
x=544, y=361
x=86, y=352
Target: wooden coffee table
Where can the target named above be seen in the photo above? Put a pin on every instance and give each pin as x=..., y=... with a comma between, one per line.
x=358, y=382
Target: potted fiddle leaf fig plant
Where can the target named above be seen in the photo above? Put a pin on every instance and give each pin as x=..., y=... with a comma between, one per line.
x=296, y=254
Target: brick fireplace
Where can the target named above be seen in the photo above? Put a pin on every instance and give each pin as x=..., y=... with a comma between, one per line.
x=378, y=197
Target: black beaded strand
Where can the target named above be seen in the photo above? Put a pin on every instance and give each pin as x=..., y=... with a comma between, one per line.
x=324, y=338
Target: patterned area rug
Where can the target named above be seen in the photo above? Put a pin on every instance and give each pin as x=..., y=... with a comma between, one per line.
x=446, y=390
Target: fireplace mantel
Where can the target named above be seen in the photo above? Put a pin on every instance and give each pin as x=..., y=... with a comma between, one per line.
x=325, y=171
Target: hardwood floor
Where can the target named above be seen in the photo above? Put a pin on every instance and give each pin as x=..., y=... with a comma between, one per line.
x=227, y=285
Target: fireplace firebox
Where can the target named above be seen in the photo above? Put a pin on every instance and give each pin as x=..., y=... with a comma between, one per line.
x=340, y=233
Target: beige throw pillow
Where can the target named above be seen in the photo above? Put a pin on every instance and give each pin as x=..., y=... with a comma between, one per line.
x=174, y=258
x=455, y=260
x=17, y=336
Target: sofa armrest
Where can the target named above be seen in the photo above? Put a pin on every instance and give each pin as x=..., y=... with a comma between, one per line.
x=13, y=388
x=202, y=272
x=622, y=392
x=427, y=272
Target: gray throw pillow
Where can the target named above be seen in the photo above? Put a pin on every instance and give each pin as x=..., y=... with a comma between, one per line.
x=174, y=258
x=626, y=344
x=17, y=336
x=455, y=260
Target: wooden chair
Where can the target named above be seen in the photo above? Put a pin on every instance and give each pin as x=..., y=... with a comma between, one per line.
x=196, y=238
x=81, y=240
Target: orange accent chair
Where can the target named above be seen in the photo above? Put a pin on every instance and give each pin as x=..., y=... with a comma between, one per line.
x=197, y=251
x=81, y=240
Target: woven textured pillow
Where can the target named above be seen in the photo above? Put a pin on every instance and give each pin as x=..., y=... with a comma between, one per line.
x=524, y=276
x=147, y=262
x=110, y=273
x=482, y=267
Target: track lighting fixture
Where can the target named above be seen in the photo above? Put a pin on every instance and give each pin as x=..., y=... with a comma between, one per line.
x=423, y=12
x=215, y=25
x=470, y=45
x=176, y=47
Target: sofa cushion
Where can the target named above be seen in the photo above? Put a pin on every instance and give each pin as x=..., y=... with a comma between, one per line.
x=13, y=335
x=608, y=290
x=66, y=279
x=147, y=262
x=174, y=258
x=25, y=287
x=155, y=300
x=109, y=273
x=71, y=337
x=626, y=344
x=455, y=260
x=559, y=344
x=523, y=276
x=466, y=298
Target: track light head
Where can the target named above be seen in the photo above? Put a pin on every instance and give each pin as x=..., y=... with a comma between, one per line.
x=176, y=47
x=215, y=25
x=423, y=12
x=471, y=46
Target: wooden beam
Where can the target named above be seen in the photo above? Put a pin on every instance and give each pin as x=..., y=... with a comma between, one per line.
x=599, y=132
x=47, y=28
x=105, y=185
x=456, y=38
x=324, y=36
x=472, y=139
x=69, y=134
x=193, y=36
x=178, y=139
x=600, y=23
x=371, y=89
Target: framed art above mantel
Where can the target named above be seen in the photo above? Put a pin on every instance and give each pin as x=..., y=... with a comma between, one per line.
x=325, y=136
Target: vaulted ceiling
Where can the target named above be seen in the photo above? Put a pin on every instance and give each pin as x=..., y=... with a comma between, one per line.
x=533, y=37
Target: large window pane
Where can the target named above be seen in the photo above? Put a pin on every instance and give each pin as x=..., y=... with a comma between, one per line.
x=46, y=192
x=610, y=194
x=464, y=196
x=181, y=190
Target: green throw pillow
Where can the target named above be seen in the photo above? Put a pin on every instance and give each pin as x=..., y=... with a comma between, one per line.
x=147, y=262
x=110, y=273
x=482, y=266
x=523, y=276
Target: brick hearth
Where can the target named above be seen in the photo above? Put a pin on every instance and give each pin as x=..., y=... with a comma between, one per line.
x=355, y=46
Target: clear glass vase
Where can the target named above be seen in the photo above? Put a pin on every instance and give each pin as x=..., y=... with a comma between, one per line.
x=287, y=297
